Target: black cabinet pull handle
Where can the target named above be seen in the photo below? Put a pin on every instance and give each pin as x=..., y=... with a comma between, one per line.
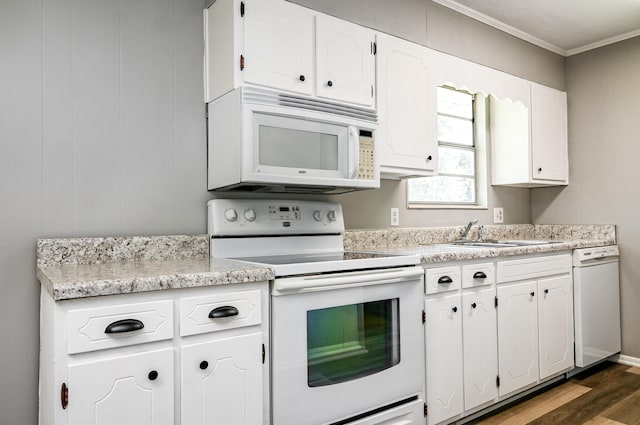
x=546, y=291
x=204, y=364
x=302, y=78
x=455, y=309
x=429, y=158
x=445, y=280
x=533, y=294
x=153, y=375
x=125, y=325
x=330, y=83
x=540, y=170
x=474, y=305
x=479, y=275
x=224, y=311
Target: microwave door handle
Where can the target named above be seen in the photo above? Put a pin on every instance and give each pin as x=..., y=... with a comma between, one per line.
x=354, y=151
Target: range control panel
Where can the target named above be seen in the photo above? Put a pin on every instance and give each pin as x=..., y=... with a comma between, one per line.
x=261, y=217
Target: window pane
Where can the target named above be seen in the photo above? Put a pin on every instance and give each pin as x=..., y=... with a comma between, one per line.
x=442, y=189
x=455, y=130
x=456, y=103
x=456, y=161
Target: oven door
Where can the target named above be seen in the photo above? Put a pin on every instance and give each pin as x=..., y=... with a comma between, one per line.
x=345, y=344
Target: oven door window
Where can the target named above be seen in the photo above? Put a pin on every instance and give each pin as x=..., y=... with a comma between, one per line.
x=349, y=342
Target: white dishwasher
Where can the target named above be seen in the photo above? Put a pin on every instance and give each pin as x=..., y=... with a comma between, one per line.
x=596, y=295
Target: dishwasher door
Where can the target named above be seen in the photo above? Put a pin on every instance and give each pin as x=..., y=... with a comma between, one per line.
x=596, y=310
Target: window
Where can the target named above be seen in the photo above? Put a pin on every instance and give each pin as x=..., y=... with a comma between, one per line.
x=457, y=180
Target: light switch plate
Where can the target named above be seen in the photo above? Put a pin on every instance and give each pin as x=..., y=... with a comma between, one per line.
x=498, y=216
x=395, y=216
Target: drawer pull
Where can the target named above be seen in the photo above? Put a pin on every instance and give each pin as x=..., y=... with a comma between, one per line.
x=122, y=326
x=224, y=311
x=479, y=275
x=153, y=375
x=445, y=280
x=474, y=305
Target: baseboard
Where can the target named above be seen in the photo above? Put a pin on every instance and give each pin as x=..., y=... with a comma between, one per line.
x=627, y=360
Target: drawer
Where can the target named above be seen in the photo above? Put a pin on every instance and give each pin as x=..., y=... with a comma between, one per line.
x=218, y=312
x=475, y=275
x=442, y=279
x=119, y=325
x=531, y=268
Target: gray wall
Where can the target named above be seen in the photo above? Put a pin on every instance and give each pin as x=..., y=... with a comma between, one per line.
x=102, y=132
x=603, y=90
x=442, y=29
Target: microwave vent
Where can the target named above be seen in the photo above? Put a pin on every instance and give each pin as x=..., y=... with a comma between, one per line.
x=265, y=97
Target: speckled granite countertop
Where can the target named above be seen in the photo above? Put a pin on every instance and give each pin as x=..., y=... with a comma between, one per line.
x=87, y=267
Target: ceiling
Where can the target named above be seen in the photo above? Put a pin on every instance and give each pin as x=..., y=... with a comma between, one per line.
x=566, y=27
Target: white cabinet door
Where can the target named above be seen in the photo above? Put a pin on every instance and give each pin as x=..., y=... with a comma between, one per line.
x=278, y=45
x=221, y=381
x=443, y=330
x=345, y=61
x=517, y=335
x=135, y=389
x=555, y=315
x=480, y=342
x=549, y=133
x=407, y=109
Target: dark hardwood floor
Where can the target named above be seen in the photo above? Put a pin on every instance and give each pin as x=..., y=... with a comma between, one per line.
x=608, y=394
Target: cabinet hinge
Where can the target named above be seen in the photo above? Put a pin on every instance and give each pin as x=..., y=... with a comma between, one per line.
x=498, y=381
x=371, y=90
x=496, y=302
x=264, y=353
x=424, y=316
x=374, y=48
x=426, y=409
x=206, y=111
x=241, y=9
x=64, y=395
x=241, y=62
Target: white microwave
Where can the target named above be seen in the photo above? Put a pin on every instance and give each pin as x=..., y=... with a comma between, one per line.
x=266, y=141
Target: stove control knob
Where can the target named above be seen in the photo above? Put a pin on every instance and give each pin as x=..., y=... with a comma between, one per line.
x=231, y=214
x=317, y=215
x=250, y=214
x=331, y=215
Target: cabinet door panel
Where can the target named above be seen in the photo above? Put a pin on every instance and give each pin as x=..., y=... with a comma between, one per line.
x=228, y=387
x=555, y=312
x=517, y=336
x=407, y=108
x=344, y=61
x=480, y=347
x=548, y=133
x=121, y=391
x=278, y=45
x=443, y=330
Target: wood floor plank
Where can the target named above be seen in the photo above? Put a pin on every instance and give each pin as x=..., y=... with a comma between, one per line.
x=626, y=411
x=599, y=420
x=634, y=369
x=536, y=407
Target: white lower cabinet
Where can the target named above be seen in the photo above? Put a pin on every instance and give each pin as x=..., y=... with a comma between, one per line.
x=130, y=389
x=480, y=347
x=517, y=336
x=176, y=357
x=443, y=330
x=222, y=380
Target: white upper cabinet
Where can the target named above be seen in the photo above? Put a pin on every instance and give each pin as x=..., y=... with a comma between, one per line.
x=529, y=146
x=407, y=109
x=345, y=61
x=278, y=44
x=549, y=134
x=278, y=40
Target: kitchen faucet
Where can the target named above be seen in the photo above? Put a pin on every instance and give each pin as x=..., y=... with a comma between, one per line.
x=465, y=230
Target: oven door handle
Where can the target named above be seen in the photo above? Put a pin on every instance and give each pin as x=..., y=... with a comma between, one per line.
x=350, y=280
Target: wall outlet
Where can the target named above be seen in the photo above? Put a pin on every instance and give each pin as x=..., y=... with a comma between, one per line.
x=498, y=215
x=395, y=216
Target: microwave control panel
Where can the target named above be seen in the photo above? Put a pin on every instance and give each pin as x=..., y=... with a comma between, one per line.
x=367, y=156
